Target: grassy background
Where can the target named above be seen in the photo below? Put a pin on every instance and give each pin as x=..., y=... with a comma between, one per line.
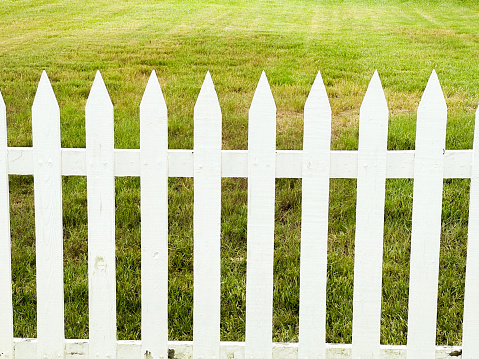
x=235, y=40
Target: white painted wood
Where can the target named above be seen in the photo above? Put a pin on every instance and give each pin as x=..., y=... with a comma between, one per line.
x=260, y=222
x=48, y=221
x=368, y=248
x=426, y=221
x=101, y=221
x=470, y=336
x=314, y=223
x=6, y=305
x=127, y=349
x=428, y=165
x=234, y=163
x=207, y=223
x=154, y=220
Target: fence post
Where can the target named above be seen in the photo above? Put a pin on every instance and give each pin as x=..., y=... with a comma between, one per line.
x=260, y=222
x=314, y=223
x=426, y=221
x=470, y=336
x=101, y=221
x=6, y=305
x=154, y=221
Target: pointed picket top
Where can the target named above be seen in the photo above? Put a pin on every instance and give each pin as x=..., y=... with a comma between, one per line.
x=44, y=97
x=476, y=131
x=3, y=130
x=207, y=101
x=476, y=134
x=153, y=96
x=45, y=117
x=433, y=96
x=475, y=148
x=3, y=118
x=318, y=97
x=2, y=104
x=263, y=97
x=374, y=97
x=207, y=89
x=98, y=93
x=317, y=123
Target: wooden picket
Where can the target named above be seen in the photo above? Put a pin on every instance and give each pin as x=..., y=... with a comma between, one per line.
x=154, y=220
x=6, y=305
x=48, y=221
x=207, y=223
x=261, y=164
x=426, y=221
x=101, y=221
x=470, y=334
x=368, y=250
x=314, y=226
x=260, y=222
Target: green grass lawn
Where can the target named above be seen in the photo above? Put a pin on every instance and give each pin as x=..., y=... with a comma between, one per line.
x=290, y=40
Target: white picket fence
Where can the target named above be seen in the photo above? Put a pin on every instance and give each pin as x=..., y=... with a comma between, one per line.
x=371, y=164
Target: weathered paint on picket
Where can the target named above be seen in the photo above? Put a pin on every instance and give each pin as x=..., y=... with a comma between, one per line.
x=48, y=221
x=368, y=248
x=101, y=221
x=128, y=349
x=428, y=164
x=6, y=305
x=426, y=221
x=207, y=223
x=314, y=223
x=260, y=222
x=470, y=336
x=154, y=220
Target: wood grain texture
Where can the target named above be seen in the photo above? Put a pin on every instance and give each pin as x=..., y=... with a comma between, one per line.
x=207, y=223
x=6, y=305
x=260, y=222
x=314, y=223
x=101, y=221
x=368, y=248
x=48, y=221
x=426, y=221
x=154, y=220
x=470, y=336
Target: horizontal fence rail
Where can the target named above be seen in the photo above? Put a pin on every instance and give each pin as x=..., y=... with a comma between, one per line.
x=207, y=163
x=234, y=163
